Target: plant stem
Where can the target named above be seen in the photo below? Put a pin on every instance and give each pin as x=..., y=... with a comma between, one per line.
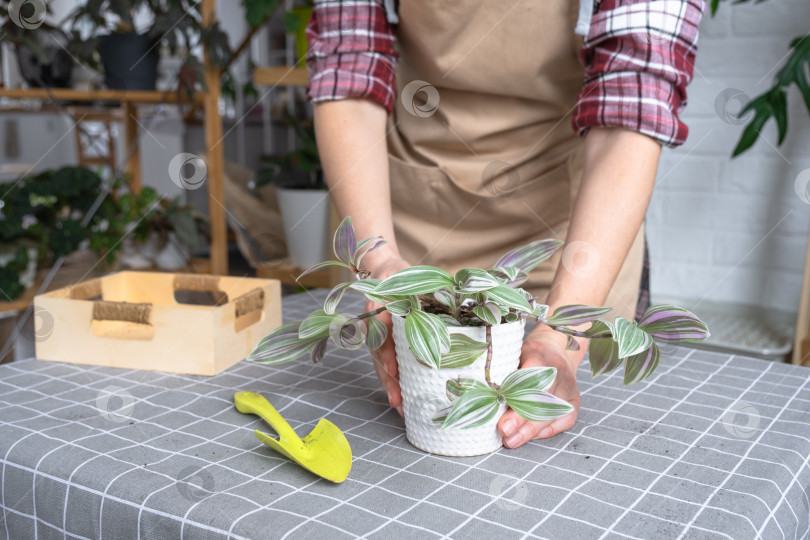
x=368, y=314
x=489, y=360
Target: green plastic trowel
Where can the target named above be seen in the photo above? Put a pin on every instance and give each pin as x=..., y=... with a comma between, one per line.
x=325, y=451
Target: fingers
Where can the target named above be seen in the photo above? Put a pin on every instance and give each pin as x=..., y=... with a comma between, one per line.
x=517, y=431
x=385, y=364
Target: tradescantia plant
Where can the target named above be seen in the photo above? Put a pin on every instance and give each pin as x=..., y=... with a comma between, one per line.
x=431, y=300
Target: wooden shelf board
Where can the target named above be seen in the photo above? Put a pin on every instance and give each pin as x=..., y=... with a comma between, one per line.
x=70, y=94
x=281, y=76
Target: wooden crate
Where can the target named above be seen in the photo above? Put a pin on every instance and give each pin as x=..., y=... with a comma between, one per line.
x=134, y=320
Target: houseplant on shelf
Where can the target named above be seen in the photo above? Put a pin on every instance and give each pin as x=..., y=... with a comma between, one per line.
x=458, y=340
x=129, y=53
x=302, y=196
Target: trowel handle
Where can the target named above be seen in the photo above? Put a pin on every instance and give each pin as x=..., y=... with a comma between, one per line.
x=253, y=403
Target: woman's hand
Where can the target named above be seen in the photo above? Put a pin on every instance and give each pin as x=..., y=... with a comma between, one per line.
x=545, y=348
x=385, y=359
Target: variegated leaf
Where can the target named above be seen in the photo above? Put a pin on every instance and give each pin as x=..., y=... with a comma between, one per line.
x=533, y=378
x=316, y=355
x=281, y=345
x=366, y=241
x=427, y=337
x=603, y=354
x=571, y=344
x=574, y=315
x=512, y=317
x=529, y=256
x=334, y=296
x=359, y=256
x=454, y=388
x=470, y=280
x=347, y=333
x=671, y=323
x=630, y=338
x=474, y=408
x=509, y=297
x=316, y=324
x=539, y=310
x=538, y=405
x=464, y=350
x=321, y=266
x=448, y=320
x=598, y=329
x=447, y=299
x=399, y=307
x=415, y=280
x=376, y=333
x=505, y=273
x=367, y=286
x=640, y=366
x=345, y=242
x=489, y=313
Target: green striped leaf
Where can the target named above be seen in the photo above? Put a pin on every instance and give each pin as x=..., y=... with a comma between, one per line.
x=509, y=297
x=574, y=315
x=640, y=366
x=334, y=296
x=474, y=408
x=538, y=405
x=399, y=307
x=321, y=266
x=671, y=323
x=489, y=313
x=427, y=337
x=471, y=280
x=376, y=332
x=366, y=287
x=316, y=324
x=448, y=320
x=509, y=275
x=447, y=299
x=347, y=333
x=464, y=350
x=630, y=338
x=317, y=352
x=598, y=329
x=282, y=345
x=603, y=354
x=456, y=387
x=415, y=280
x=534, y=378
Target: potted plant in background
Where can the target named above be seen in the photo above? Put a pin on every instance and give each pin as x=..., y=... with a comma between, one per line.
x=458, y=340
x=130, y=54
x=302, y=196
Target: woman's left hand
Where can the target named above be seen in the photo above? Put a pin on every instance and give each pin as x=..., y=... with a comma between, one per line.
x=545, y=348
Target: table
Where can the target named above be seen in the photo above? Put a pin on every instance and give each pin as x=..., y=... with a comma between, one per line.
x=714, y=446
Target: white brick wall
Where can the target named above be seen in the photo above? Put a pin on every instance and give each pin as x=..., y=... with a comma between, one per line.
x=734, y=230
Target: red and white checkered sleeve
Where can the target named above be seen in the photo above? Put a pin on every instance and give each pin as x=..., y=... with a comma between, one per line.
x=351, y=52
x=639, y=57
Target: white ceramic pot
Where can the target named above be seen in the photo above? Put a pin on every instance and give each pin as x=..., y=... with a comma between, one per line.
x=173, y=256
x=423, y=390
x=305, y=213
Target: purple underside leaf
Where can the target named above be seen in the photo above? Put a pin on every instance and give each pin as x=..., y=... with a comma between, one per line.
x=573, y=315
x=529, y=256
x=345, y=242
x=671, y=323
x=603, y=355
x=359, y=256
x=316, y=355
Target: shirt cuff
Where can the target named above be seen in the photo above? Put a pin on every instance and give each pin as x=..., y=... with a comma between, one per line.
x=639, y=57
x=364, y=75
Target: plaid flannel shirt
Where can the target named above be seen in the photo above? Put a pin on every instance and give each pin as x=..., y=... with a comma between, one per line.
x=638, y=58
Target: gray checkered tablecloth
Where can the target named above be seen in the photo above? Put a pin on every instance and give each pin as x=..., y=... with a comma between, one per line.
x=713, y=446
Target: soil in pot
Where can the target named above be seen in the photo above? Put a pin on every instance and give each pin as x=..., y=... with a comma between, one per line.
x=130, y=61
x=424, y=394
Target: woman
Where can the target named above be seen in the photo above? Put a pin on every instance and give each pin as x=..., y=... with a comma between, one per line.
x=444, y=127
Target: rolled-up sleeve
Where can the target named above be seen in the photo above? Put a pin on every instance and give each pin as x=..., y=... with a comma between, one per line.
x=639, y=57
x=351, y=52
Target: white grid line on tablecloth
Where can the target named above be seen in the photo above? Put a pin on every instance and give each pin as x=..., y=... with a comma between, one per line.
x=690, y=447
x=236, y=373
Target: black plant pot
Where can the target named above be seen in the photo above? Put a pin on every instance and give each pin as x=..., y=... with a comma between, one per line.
x=130, y=61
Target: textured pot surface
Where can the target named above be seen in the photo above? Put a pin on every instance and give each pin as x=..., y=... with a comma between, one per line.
x=423, y=391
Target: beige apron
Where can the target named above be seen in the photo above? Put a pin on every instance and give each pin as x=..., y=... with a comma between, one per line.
x=495, y=163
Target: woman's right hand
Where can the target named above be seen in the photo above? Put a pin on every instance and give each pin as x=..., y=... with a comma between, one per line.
x=385, y=359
